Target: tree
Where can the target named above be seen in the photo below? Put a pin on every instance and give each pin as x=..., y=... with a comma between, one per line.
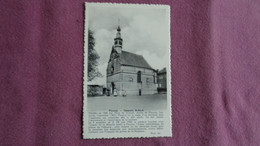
x=93, y=57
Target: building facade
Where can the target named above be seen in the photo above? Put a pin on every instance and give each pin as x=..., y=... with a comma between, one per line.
x=128, y=72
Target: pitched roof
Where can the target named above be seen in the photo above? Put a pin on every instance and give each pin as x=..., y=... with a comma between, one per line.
x=131, y=59
x=162, y=71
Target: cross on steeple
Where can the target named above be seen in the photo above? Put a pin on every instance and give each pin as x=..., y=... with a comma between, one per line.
x=118, y=28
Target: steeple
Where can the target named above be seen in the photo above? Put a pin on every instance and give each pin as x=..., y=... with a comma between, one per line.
x=118, y=41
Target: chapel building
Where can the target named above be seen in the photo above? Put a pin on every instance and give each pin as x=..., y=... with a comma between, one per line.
x=128, y=72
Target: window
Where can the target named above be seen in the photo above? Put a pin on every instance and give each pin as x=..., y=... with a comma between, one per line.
x=147, y=80
x=112, y=69
x=139, y=78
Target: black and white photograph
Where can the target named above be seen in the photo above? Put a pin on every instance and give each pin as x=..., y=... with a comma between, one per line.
x=127, y=58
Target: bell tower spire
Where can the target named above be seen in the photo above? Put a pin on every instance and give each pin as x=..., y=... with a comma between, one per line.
x=118, y=41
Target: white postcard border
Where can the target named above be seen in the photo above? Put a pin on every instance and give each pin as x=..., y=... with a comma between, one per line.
x=85, y=82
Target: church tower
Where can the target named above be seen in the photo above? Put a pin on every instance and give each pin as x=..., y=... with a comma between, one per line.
x=118, y=41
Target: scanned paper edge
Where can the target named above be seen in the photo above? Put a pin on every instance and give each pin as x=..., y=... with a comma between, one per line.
x=85, y=62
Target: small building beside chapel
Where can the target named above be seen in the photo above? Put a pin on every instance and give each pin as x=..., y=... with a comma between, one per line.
x=128, y=72
x=162, y=81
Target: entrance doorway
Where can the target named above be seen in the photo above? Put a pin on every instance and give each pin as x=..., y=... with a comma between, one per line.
x=113, y=87
x=140, y=92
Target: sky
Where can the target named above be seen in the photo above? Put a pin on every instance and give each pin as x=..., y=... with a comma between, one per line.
x=144, y=30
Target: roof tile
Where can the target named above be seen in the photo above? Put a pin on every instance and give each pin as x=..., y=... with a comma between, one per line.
x=131, y=59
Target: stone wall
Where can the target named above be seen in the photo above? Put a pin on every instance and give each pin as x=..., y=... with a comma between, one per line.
x=126, y=80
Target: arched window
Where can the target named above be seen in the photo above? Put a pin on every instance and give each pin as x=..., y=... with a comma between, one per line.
x=154, y=79
x=147, y=80
x=139, y=77
x=112, y=69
